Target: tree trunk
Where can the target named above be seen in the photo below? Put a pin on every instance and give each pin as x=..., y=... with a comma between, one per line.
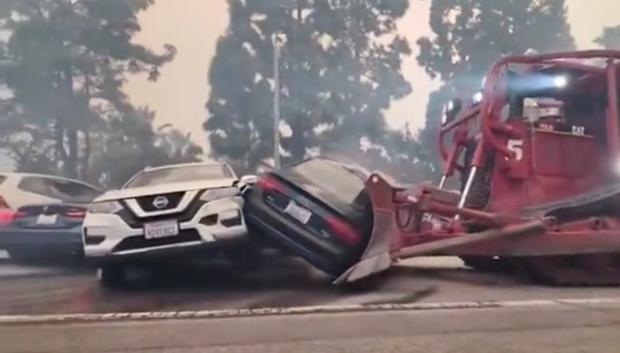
x=86, y=157
x=61, y=153
x=72, y=158
x=71, y=165
x=297, y=145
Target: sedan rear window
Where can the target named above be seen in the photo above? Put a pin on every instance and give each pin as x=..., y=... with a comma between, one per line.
x=180, y=174
x=330, y=181
x=60, y=189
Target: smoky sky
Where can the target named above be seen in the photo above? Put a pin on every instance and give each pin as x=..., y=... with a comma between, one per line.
x=193, y=26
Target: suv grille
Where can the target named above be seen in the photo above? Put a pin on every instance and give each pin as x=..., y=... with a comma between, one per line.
x=135, y=222
x=139, y=242
x=172, y=200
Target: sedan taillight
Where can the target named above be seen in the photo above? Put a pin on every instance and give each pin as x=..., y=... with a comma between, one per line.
x=343, y=230
x=6, y=216
x=75, y=212
x=269, y=183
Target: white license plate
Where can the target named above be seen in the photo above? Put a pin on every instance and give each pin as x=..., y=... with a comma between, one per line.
x=47, y=220
x=161, y=229
x=298, y=212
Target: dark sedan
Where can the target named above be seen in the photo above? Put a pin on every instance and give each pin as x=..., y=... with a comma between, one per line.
x=54, y=230
x=39, y=232
x=317, y=209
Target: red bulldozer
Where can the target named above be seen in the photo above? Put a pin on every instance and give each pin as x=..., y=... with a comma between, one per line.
x=531, y=177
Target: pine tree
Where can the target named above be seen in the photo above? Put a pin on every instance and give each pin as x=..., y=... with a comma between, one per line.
x=610, y=38
x=336, y=80
x=67, y=62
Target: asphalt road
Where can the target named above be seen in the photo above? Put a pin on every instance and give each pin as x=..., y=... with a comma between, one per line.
x=49, y=289
x=586, y=328
x=534, y=320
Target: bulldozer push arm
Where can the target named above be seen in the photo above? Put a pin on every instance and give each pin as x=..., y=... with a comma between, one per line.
x=390, y=239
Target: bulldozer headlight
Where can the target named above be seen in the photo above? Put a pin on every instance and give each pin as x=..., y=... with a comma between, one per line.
x=450, y=111
x=616, y=167
x=560, y=81
x=450, y=106
x=444, y=119
x=477, y=98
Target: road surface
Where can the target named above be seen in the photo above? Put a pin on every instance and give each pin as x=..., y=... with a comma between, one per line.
x=45, y=289
x=532, y=319
x=544, y=328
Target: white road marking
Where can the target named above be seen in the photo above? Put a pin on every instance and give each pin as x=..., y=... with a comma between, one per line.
x=210, y=314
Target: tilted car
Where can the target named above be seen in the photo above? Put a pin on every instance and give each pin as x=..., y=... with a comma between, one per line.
x=164, y=212
x=317, y=210
x=42, y=215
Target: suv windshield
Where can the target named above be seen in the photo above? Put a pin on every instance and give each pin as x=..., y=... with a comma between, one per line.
x=180, y=175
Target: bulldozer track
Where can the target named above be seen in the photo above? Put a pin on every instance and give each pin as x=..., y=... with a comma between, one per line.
x=591, y=270
x=570, y=270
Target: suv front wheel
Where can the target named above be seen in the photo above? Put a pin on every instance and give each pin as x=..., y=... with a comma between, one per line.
x=112, y=276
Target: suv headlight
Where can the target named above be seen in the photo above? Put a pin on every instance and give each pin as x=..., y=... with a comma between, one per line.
x=106, y=207
x=220, y=193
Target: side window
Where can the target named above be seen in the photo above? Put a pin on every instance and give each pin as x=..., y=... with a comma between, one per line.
x=36, y=185
x=63, y=190
x=2, y=179
x=71, y=191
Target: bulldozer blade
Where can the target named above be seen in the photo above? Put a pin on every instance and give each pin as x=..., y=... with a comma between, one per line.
x=376, y=256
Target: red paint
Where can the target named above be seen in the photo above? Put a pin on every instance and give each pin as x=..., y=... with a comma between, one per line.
x=269, y=183
x=613, y=138
x=534, y=163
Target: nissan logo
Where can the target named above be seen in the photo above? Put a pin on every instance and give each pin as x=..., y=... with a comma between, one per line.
x=160, y=202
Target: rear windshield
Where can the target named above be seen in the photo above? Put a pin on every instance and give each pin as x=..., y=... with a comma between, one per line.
x=331, y=182
x=180, y=174
x=60, y=189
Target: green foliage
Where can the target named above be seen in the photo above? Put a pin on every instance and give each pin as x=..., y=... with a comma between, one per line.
x=130, y=144
x=67, y=62
x=401, y=156
x=610, y=38
x=469, y=35
x=340, y=70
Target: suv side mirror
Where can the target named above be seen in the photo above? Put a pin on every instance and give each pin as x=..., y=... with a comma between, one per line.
x=248, y=180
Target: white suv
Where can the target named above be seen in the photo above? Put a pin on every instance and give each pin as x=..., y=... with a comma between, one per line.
x=163, y=211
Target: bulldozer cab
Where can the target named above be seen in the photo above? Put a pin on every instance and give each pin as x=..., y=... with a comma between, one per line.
x=542, y=128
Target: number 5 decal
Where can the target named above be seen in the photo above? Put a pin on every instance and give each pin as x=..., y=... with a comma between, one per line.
x=516, y=147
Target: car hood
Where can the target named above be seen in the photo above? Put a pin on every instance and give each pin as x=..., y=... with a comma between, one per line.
x=164, y=189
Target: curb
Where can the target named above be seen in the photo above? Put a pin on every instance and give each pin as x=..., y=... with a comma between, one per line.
x=261, y=312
